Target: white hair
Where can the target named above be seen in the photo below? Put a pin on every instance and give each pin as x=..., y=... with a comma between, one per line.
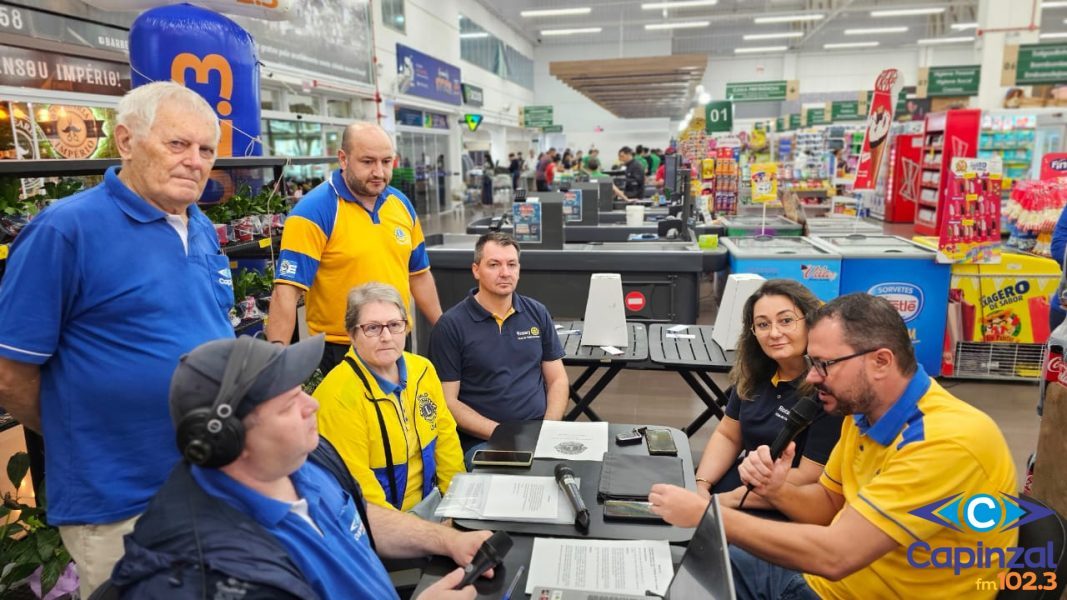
x=137, y=109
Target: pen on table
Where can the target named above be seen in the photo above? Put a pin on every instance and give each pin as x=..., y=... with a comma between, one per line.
x=514, y=582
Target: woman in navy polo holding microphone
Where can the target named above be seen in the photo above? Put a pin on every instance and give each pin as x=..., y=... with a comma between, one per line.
x=768, y=379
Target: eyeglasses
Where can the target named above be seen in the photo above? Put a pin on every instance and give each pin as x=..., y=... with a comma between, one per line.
x=821, y=366
x=784, y=324
x=375, y=329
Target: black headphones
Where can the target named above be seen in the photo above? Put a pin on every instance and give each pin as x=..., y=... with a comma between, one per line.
x=213, y=436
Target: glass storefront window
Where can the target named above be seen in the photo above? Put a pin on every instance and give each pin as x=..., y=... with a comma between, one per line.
x=393, y=15
x=303, y=105
x=341, y=109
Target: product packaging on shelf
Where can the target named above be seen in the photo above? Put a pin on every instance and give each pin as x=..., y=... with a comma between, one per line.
x=970, y=231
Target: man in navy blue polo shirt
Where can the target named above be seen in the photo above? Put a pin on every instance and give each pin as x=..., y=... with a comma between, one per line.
x=103, y=292
x=497, y=352
x=247, y=511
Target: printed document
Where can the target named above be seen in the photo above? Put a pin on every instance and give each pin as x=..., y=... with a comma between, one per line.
x=572, y=440
x=603, y=566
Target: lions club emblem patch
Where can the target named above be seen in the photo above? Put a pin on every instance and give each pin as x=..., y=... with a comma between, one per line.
x=427, y=409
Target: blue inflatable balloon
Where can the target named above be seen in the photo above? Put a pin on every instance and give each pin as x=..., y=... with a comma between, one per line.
x=209, y=54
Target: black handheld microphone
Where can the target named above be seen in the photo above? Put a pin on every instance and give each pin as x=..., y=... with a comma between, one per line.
x=488, y=556
x=798, y=419
x=566, y=480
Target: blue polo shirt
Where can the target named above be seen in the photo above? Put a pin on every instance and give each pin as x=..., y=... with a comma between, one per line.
x=762, y=417
x=100, y=292
x=337, y=561
x=498, y=366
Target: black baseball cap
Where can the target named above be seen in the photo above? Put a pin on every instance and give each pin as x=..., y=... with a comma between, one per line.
x=196, y=381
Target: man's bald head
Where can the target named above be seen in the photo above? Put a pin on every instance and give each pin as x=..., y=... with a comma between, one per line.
x=360, y=130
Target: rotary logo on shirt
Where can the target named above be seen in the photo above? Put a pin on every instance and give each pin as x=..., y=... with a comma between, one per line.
x=532, y=333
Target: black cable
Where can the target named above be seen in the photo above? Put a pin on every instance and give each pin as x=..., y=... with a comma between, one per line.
x=741, y=504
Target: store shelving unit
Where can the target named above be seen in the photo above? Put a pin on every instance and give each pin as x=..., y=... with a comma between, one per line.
x=946, y=135
x=1011, y=137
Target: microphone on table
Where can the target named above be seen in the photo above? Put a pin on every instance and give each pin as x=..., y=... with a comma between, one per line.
x=800, y=416
x=566, y=480
x=488, y=556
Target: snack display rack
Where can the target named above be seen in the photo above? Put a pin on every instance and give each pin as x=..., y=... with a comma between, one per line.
x=946, y=136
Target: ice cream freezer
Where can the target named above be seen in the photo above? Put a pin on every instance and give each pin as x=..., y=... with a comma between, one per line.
x=611, y=232
x=756, y=225
x=841, y=226
x=908, y=276
x=797, y=258
x=660, y=280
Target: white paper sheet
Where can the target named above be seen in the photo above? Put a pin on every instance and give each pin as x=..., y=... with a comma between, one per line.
x=572, y=440
x=604, y=566
x=530, y=500
x=677, y=328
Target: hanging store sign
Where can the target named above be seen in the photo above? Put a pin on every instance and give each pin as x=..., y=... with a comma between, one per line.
x=1034, y=64
x=473, y=95
x=879, y=121
x=815, y=116
x=794, y=121
x=846, y=110
x=48, y=71
x=422, y=75
x=763, y=91
x=536, y=116
x=552, y=129
x=948, y=81
x=40, y=25
x=719, y=117
x=780, y=124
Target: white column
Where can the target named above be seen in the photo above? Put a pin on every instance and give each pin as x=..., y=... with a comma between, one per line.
x=1002, y=22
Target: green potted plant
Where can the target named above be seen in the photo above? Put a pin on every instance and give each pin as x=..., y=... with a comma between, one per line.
x=27, y=542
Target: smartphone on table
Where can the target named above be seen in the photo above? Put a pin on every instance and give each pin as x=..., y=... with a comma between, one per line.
x=502, y=458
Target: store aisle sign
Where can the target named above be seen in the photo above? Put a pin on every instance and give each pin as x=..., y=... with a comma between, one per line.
x=422, y=75
x=948, y=81
x=552, y=129
x=762, y=91
x=794, y=121
x=719, y=117
x=815, y=116
x=48, y=71
x=1034, y=64
x=845, y=110
x=781, y=123
x=537, y=116
x=473, y=95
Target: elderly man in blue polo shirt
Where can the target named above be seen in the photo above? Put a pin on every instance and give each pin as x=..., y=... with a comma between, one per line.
x=497, y=352
x=103, y=292
x=248, y=515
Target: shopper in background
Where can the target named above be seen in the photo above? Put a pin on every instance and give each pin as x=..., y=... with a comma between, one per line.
x=352, y=229
x=768, y=378
x=579, y=160
x=385, y=410
x=515, y=169
x=635, y=176
x=541, y=175
x=103, y=292
x=247, y=515
x=655, y=158
x=568, y=160
x=497, y=352
x=907, y=446
x=552, y=170
x=641, y=156
x=593, y=167
x=593, y=153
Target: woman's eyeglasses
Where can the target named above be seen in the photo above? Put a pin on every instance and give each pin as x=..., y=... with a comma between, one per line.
x=785, y=324
x=375, y=329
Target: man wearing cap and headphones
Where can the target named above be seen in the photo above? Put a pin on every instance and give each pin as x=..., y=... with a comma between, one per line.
x=247, y=515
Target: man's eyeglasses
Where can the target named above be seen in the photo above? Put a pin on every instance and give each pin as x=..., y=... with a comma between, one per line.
x=821, y=366
x=375, y=329
x=785, y=324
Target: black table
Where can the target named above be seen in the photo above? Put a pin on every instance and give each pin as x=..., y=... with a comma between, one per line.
x=693, y=360
x=523, y=436
x=494, y=588
x=594, y=359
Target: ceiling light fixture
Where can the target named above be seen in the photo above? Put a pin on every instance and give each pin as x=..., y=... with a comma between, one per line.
x=557, y=12
x=1053, y=35
x=677, y=25
x=876, y=30
x=963, y=26
x=841, y=45
x=948, y=40
x=907, y=12
x=755, y=49
x=704, y=98
x=473, y=36
x=791, y=18
x=773, y=36
x=1053, y=4
x=571, y=31
x=678, y=4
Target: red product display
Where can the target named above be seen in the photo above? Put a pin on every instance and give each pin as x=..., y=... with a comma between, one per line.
x=905, y=179
x=947, y=136
x=970, y=212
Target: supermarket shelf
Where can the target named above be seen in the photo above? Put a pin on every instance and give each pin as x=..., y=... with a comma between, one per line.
x=929, y=186
x=931, y=167
x=980, y=148
x=930, y=203
x=937, y=147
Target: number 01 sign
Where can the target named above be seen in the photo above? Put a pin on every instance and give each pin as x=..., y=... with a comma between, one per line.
x=719, y=117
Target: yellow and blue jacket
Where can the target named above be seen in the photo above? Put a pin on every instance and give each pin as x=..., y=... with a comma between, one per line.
x=398, y=441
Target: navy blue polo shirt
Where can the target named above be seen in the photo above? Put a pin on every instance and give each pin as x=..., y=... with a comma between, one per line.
x=100, y=292
x=337, y=560
x=498, y=367
x=764, y=416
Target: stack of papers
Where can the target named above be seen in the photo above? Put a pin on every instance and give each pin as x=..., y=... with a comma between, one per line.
x=571, y=440
x=521, y=498
x=602, y=566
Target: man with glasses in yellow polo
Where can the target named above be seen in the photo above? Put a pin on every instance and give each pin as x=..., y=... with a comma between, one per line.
x=918, y=478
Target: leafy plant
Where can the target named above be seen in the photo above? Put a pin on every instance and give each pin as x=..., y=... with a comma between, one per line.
x=26, y=540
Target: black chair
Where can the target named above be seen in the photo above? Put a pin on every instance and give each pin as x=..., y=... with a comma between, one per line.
x=1038, y=534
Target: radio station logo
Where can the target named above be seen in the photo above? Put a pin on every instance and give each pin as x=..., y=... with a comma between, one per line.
x=908, y=299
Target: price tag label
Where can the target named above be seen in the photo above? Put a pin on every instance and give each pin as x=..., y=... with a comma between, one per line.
x=3, y=251
x=265, y=243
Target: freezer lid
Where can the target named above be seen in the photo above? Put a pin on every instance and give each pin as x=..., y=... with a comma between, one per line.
x=756, y=246
x=874, y=245
x=776, y=221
